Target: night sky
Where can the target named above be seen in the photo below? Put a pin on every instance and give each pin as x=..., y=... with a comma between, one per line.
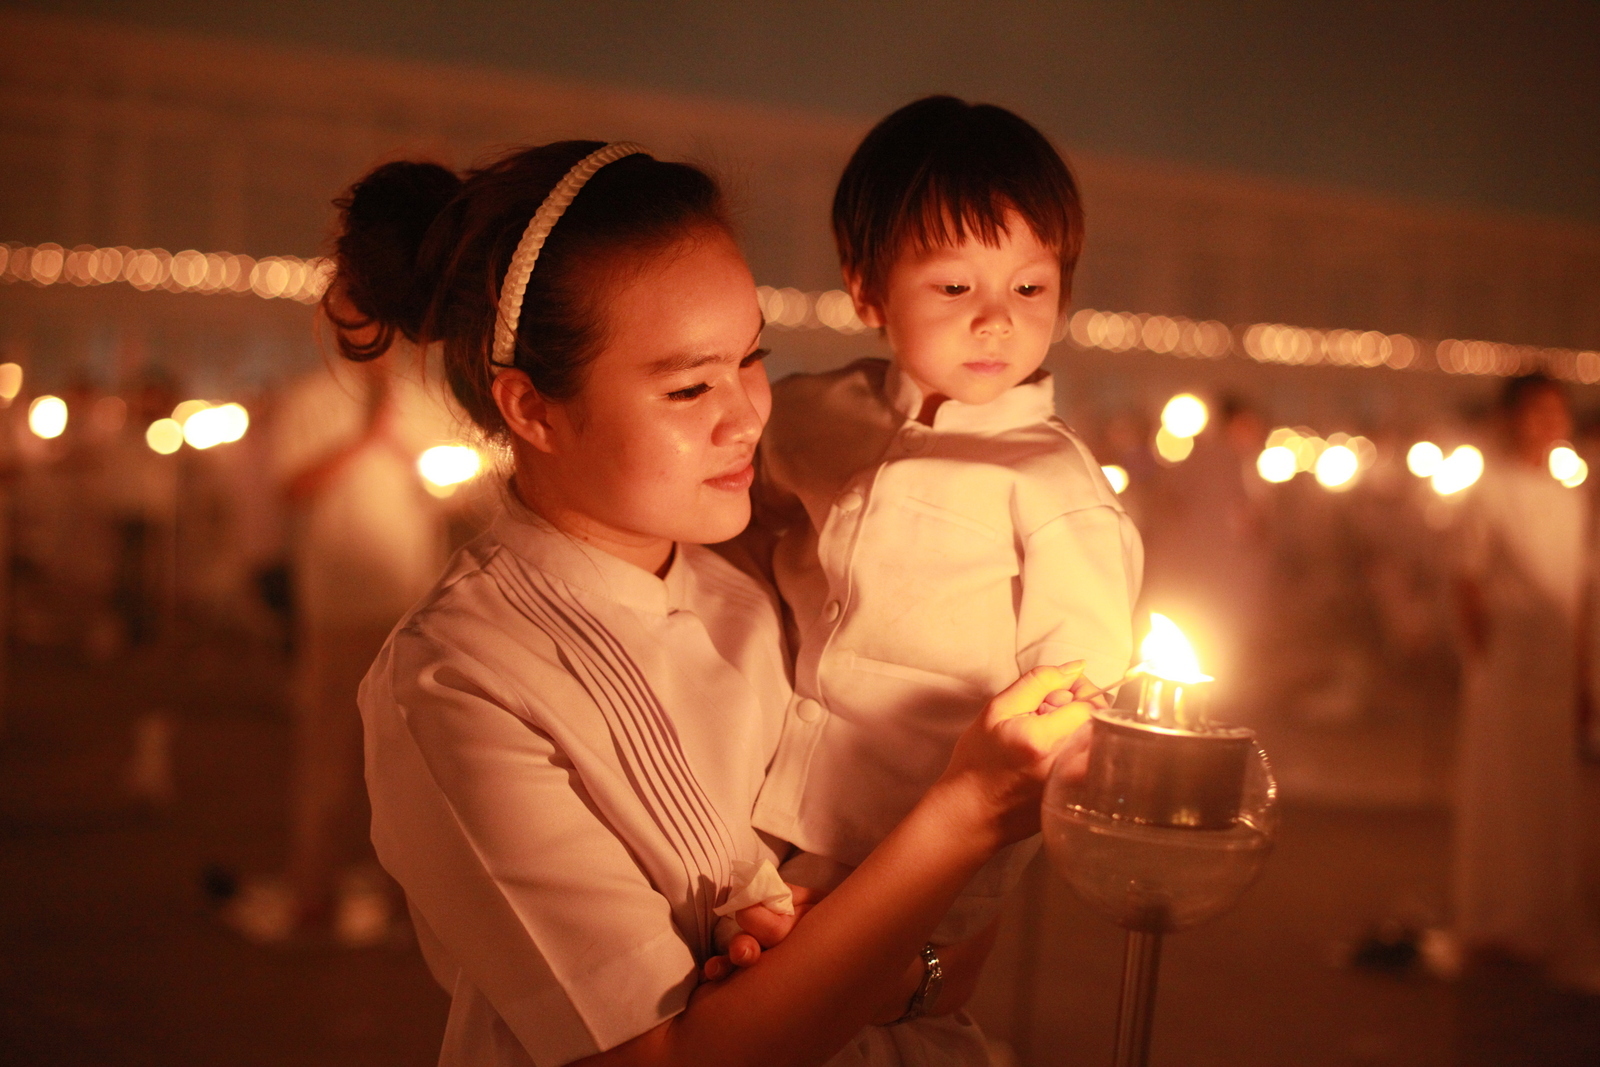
x=1479, y=103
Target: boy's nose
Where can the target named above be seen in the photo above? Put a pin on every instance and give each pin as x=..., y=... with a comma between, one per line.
x=993, y=321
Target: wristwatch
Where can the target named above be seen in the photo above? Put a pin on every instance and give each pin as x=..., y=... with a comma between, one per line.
x=927, y=994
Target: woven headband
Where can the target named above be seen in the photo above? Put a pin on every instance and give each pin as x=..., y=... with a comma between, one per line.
x=533, y=238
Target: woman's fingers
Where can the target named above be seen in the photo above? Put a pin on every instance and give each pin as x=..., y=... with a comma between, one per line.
x=716, y=968
x=1025, y=695
x=1048, y=730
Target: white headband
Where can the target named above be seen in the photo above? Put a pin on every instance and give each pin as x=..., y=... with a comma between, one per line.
x=533, y=238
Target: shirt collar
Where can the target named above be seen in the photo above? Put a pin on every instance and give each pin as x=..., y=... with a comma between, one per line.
x=532, y=539
x=1021, y=405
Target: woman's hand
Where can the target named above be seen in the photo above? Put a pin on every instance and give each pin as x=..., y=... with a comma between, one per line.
x=997, y=773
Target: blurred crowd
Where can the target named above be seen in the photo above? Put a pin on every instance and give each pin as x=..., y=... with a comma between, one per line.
x=1332, y=605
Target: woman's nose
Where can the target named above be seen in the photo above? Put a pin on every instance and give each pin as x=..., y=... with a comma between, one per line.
x=744, y=418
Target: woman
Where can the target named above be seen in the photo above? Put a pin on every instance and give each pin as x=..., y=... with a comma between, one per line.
x=565, y=738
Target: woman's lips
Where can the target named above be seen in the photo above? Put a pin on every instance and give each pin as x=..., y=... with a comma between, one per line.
x=735, y=481
x=986, y=366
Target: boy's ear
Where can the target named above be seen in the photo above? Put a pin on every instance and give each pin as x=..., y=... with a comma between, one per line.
x=870, y=314
x=527, y=413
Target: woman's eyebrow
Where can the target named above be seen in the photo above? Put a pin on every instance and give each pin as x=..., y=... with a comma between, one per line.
x=683, y=361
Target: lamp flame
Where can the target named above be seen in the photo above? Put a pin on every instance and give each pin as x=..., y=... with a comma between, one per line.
x=1167, y=654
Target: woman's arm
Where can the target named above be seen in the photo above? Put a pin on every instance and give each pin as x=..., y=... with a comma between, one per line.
x=822, y=984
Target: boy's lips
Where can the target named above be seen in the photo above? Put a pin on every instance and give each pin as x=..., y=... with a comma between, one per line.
x=987, y=366
x=736, y=480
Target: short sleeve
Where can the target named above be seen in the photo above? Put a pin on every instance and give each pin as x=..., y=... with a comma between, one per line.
x=1080, y=579
x=536, y=902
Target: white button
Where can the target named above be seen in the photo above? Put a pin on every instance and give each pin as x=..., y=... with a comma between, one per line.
x=850, y=501
x=808, y=710
x=915, y=438
x=831, y=611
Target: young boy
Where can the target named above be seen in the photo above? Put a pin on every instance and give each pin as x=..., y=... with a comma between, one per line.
x=938, y=530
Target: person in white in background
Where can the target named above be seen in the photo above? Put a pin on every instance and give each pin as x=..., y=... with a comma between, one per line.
x=934, y=527
x=566, y=736
x=1522, y=573
x=365, y=541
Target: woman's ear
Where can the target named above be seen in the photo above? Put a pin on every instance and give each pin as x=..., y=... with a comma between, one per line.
x=526, y=411
x=870, y=314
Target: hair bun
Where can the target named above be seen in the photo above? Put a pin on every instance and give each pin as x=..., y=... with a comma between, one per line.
x=385, y=219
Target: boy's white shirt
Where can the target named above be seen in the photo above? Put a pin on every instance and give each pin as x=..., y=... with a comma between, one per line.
x=923, y=568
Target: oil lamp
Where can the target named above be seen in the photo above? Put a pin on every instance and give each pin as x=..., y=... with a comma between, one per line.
x=1169, y=827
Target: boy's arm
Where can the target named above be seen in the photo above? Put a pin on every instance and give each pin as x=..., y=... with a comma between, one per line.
x=1080, y=579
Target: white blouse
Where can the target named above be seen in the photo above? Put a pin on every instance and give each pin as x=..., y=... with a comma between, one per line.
x=563, y=752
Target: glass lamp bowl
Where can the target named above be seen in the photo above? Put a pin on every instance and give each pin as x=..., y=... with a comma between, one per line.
x=1170, y=826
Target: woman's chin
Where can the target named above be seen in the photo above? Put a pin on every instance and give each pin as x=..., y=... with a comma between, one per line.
x=720, y=520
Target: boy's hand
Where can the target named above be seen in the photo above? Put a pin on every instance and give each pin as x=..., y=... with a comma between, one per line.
x=762, y=929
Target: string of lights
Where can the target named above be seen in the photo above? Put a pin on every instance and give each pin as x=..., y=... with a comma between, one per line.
x=1262, y=342
x=151, y=269
x=305, y=280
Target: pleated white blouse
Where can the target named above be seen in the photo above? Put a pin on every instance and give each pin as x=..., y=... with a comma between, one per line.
x=563, y=752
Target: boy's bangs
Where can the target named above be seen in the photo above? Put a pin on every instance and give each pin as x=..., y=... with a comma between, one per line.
x=943, y=214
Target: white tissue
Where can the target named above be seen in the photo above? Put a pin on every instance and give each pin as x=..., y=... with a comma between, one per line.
x=752, y=884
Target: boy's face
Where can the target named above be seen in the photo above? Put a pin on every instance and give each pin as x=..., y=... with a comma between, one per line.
x=971, y=321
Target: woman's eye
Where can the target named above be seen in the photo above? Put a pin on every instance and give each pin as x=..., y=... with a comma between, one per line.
x=755, y=357
x=953, y=289
x=689, y=393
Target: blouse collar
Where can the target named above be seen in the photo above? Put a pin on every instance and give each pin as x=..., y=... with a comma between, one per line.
x=532, y=539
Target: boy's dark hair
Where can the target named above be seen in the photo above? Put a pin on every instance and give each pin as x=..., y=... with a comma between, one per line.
x=940, y=169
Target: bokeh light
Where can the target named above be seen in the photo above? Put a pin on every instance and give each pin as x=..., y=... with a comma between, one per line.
x=10, y=381
x=1460, y=470
x=1567, y=467
x=1337, y=466
x=1277, y=464
x=445, y=467
x=1184, y=416
x=1423, y=459
x=1172, y=448
x=1563, y=462
x=47, y=416
x=181, y=413
x=214, y=426
x=164, y=436
x=1116, y=476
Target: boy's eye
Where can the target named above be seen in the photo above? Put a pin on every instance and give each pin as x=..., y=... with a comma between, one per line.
x=689, y=393
x=953, y=289
x=1030, y=290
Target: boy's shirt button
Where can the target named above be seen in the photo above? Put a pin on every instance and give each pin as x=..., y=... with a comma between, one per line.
x=808, y=710
x=831, y=611
x=850, y=502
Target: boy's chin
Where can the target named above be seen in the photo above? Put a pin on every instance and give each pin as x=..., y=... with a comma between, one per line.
x=981, y=392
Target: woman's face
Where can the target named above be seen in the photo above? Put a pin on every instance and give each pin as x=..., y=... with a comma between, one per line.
x=657, y=447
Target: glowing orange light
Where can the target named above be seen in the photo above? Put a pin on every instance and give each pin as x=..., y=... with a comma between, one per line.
x=1166, y=653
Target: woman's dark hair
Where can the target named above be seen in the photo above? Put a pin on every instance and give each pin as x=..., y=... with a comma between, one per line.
x=421, y=253
x=940, y=169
